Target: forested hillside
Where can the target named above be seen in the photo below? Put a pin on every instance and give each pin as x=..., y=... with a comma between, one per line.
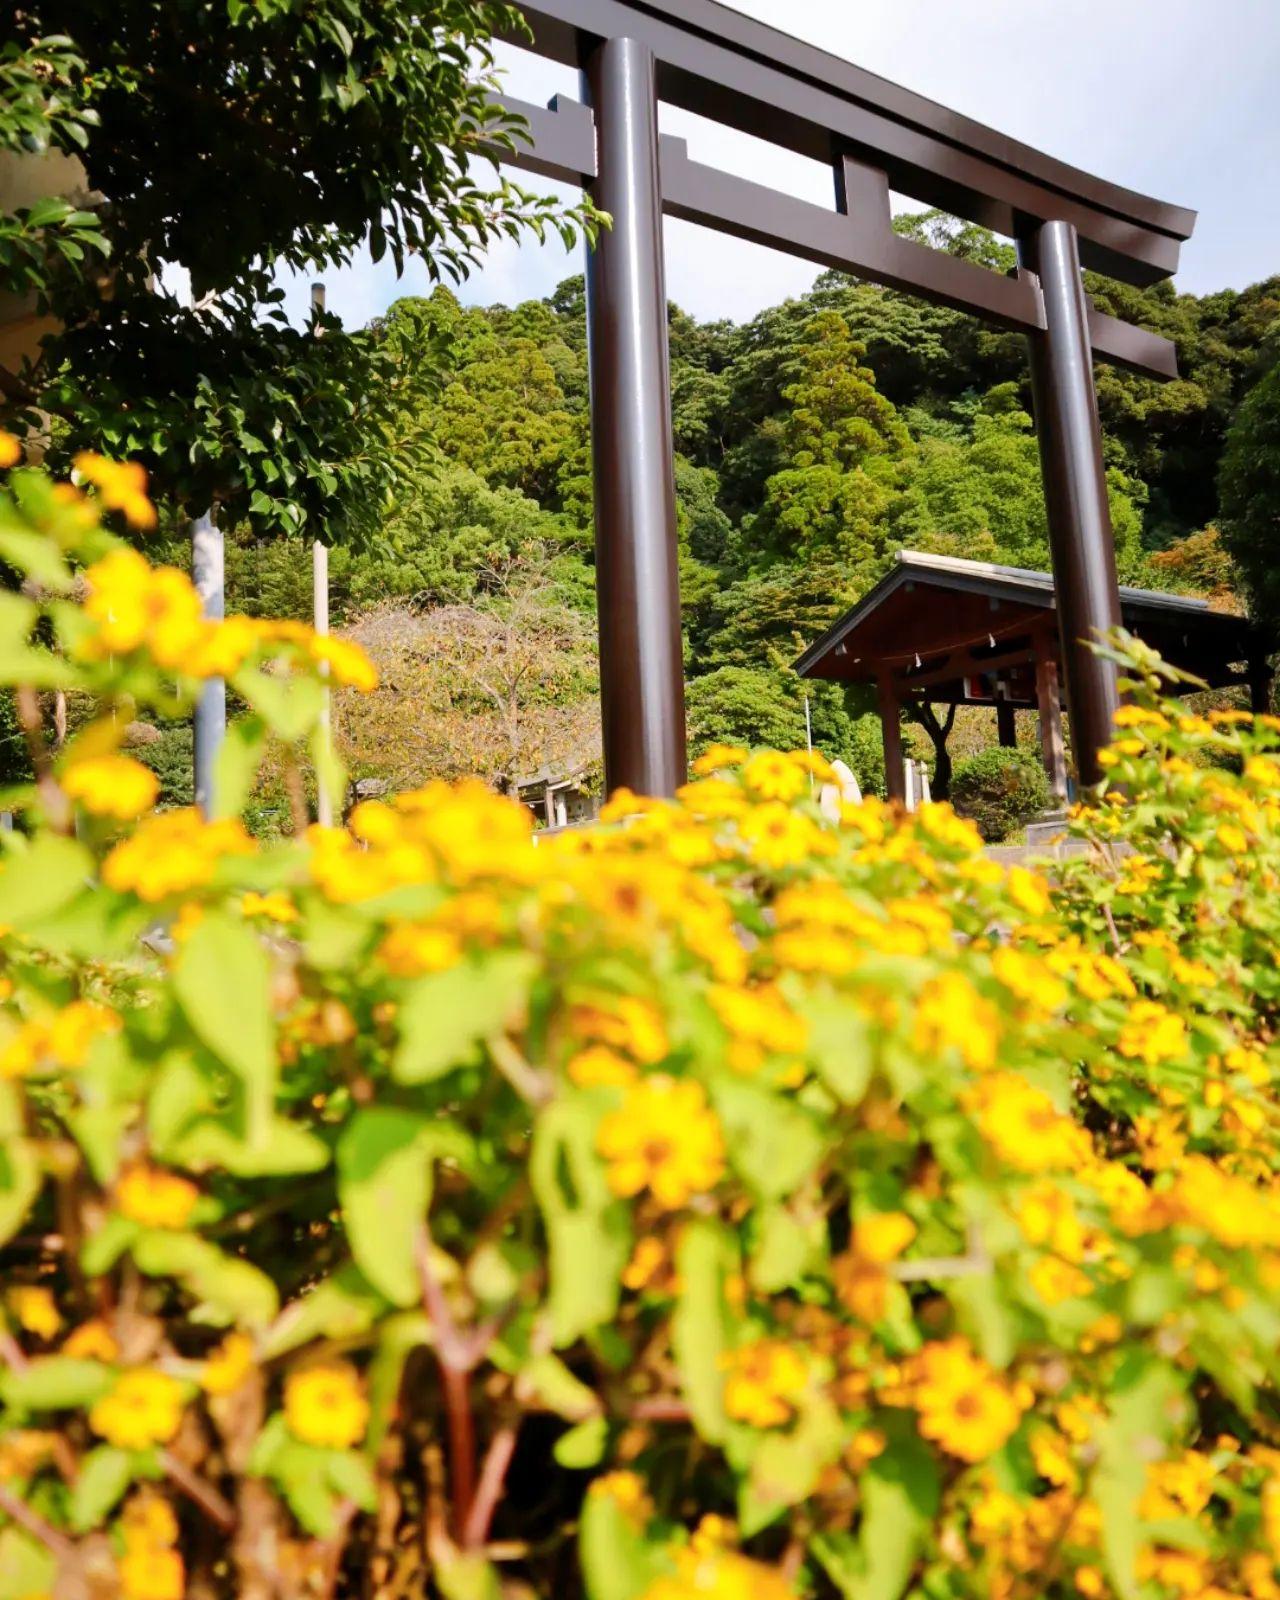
x=813, y=442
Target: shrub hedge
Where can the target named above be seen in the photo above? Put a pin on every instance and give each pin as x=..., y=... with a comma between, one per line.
x=715, y=1203
x=1000, y=789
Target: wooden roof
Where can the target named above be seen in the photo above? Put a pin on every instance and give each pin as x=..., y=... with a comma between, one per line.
x=928, y=610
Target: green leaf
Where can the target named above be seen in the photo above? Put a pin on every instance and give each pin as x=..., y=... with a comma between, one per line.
x=785, y=1249
x=20, y=1182
x=545, y=1379
x=467, y=1577
x=618, y=1562
x=349, y=1474
x=226, y=1289
x=222, y=978
x=384, y=1184
x=239, y=757
x=700, y=1324
x=588, y=1237
x=27, y=1569
x=36, y=556
x=55, y=1383
x=105, y=1474
x=287, y=1149
x=343, y=1306
x=398, y=1336
x=42, y=878
x=785, y=1467
x=583, y=1446
x=839, y=1045
x=106, y=1244
x=900, y=1492
x=1147, y=1405
x=445, y=1015
x=773, y=1143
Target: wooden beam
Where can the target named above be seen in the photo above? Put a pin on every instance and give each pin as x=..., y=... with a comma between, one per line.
x=1006, y=726
x=895, y=781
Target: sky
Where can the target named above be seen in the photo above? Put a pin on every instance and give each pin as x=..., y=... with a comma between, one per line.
x=1179, y=99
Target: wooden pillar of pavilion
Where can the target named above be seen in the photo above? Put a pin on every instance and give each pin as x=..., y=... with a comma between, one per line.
x=895, y=780
x=1049, y=706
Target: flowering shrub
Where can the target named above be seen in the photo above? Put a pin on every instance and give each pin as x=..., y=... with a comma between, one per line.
x=717, y=1202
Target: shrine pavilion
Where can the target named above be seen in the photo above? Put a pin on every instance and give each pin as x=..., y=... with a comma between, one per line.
x=946, y=631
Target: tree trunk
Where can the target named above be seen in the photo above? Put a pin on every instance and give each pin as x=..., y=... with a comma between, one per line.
x=940, y=785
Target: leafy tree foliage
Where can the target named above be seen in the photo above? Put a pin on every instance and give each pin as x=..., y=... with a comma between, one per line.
x=1250, y=485
x=226, y=142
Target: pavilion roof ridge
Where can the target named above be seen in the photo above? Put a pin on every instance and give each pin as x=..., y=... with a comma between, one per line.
x=1040, y=580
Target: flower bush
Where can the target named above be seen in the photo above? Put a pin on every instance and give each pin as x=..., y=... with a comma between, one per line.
x=714, y=1203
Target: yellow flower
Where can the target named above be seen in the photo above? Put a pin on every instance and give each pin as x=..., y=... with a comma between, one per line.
x=148, y=1522
x=155, y=1198
x=222, y=648
x=10, y=450
x=1055, y=1280
x=714, y=1574
x=597, y=1065
x=347, y=663
x=173, y=851
x=763, y=1382
x=144, y=1407
x=229, y=1365
x=35, y=1309
x=275, y=906
x=76, y=1026
x=151, y=1573
x=625, y=1022
x=712, y=797
x=1024, y=1127
x=883, y=1235
x=952, y=1015
x=627, y=1491
x=939, y=821
x=776, y=836
x=135, y=605
x=861, y=1282
x=650, y=1262
x=325, y=1405
x=413, y=948
x=111, y=786
x=665, y=1139
x=1029, y=891
x=759, y=1015
x=961, y=1402
x=773, y=776
x=91, y=1341
x=1152, y=1033
x=1029, y=977
x=121, y=484
x=716, y=756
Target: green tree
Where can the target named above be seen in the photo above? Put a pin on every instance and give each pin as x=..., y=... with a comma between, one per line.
x=1250, y=490
x=314, y=132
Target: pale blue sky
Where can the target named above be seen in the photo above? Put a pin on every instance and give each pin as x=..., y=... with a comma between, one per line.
x=1176, y=98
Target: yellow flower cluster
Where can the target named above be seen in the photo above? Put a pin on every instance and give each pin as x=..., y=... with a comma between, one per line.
x=665, y=1139
x=325, y=1404
x=965, y=1406
x=143, y=1407
x=111, y=786
x=173, y=852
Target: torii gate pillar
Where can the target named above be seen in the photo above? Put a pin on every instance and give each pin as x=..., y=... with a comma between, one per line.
x=637, y=578
x=1075, y=487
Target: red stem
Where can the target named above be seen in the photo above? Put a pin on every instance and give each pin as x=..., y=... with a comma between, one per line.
x=475, y=1530
x=462, y=1441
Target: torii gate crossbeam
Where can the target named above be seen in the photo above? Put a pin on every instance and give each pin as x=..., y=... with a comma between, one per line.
x=875, y=136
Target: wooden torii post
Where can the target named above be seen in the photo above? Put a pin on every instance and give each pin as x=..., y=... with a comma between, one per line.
x=875, y=136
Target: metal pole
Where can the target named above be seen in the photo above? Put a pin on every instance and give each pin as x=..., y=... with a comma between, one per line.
x=320, y=617
x=210, y=723
x=1075, y=486
x=637, y=584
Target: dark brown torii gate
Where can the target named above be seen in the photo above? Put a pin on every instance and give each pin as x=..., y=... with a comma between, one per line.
x=709, y=59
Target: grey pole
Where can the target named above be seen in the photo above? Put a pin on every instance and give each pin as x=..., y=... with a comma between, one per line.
x=637, y=581
x=1075, y=486
x=210, y=723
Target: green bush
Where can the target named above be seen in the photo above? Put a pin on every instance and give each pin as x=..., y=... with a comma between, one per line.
x=1000, y=789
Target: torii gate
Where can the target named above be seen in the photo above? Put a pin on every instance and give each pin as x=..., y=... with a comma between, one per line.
x=709, y=59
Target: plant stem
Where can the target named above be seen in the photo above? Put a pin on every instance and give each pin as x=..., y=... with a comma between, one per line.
x=493, y=1474
x=27, y=704
x=200, y=1491
x=17, y=1510
x=462, y=1440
